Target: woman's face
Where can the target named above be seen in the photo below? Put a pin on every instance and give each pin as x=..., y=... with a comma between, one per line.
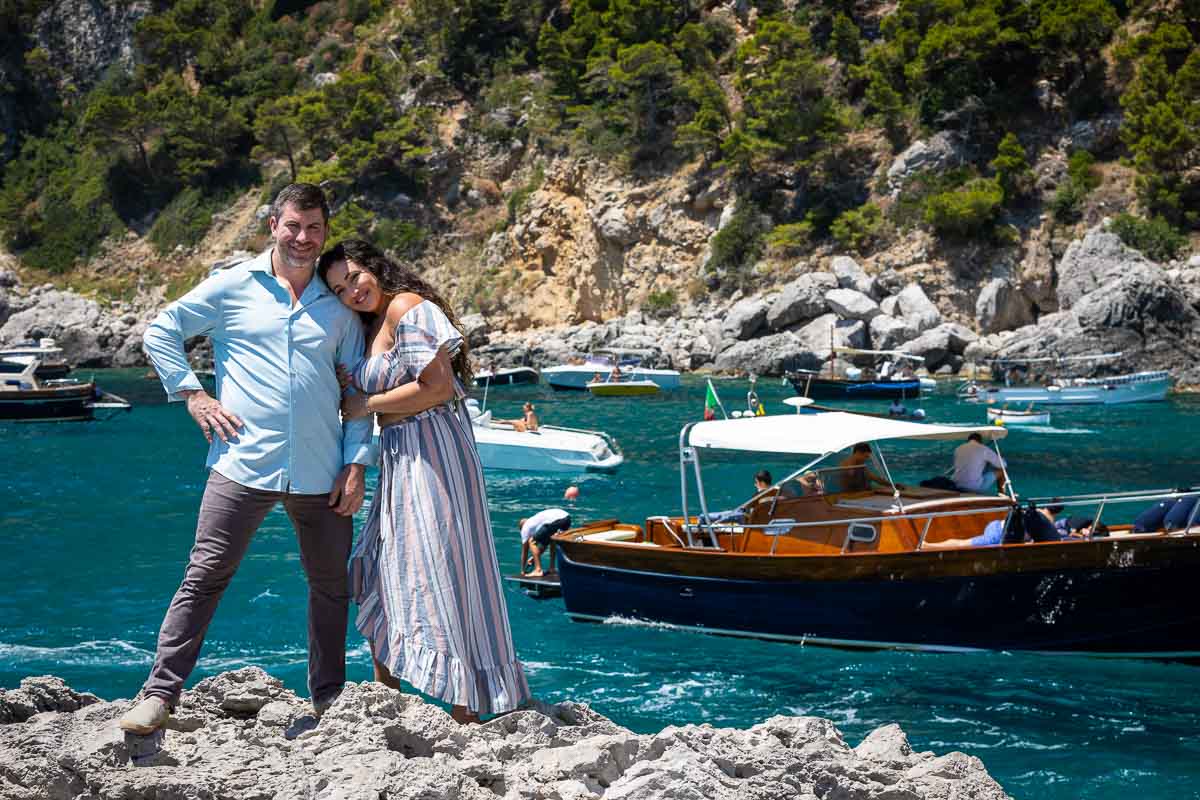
x=355, y=286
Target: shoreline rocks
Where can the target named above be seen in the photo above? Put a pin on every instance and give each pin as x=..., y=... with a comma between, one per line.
x=1110, y=298
x=242, y=734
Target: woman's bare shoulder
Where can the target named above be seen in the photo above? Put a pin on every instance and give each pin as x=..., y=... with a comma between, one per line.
x=401, y=304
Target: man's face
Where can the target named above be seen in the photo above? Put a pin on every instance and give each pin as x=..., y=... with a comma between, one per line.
x=299, y=235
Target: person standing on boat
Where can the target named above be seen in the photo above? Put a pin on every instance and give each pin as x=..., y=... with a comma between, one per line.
x=977, y=468
x=275, y=435
x=424, y=570
x=535, y=538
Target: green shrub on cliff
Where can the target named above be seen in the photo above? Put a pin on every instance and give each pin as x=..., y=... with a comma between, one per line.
x=1155, y=238
x=967, y=211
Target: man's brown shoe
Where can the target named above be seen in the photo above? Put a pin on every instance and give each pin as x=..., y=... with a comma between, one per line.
x=146, y=717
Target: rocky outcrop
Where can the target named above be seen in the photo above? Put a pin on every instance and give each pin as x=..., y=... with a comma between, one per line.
x=941, y=151
x=85, y=37
x=1001, y=307
x=1114, y=299
x=802, y=299
x=241, y=734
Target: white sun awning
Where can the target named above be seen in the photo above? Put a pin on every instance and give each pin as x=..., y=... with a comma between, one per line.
x=816, y=434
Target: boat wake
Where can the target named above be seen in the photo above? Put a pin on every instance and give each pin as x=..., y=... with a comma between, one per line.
x=1066, y=431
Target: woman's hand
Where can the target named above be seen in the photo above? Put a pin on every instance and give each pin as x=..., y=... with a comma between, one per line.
x=345, y=379
x=354, y=405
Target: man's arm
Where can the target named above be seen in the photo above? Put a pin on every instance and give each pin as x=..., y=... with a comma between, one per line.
x=195, y=314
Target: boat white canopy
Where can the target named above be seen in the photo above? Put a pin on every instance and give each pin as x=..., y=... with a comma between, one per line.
x=816, y=434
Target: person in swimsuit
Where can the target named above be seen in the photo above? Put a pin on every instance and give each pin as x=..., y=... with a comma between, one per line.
x=424, y=571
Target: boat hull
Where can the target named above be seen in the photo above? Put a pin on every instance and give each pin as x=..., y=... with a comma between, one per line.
x=623, y=388
x=1075, y=597
x=1088, y=394
x=835, y=388
x=577, y=377
x=59, y=404
x=1017, y=418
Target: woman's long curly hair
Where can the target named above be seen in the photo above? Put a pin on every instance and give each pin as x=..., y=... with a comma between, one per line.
x=394, y=279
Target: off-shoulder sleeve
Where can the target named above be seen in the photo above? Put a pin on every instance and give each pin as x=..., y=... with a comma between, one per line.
x=422, y=332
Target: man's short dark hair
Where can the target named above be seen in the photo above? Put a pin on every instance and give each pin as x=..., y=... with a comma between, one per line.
x=763, y=476
x=862, y=447
x=304, y=196
x=975, y=437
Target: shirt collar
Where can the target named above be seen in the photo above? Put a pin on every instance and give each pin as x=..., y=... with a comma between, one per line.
x=262, y=263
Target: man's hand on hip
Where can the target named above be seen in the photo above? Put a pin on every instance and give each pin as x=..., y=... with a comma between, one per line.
x=349, y=488
x=212, y=417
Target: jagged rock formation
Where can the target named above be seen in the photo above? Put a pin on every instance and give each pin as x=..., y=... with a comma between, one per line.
x=242, y=735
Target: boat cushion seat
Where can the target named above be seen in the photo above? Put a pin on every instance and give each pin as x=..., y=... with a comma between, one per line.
x=611, y=535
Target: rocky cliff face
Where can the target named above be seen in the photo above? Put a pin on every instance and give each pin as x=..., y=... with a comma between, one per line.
x=242, y=735
x=87, y=37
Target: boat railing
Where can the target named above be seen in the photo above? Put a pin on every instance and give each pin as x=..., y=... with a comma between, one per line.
x=1103, y=499
x=666, y=523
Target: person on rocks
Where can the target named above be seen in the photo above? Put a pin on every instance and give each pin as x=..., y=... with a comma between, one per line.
x=275, y=435
x=535, y=539
x=424, y=570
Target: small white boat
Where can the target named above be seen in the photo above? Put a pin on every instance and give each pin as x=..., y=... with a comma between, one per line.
x=548, y=449
x=601, y=362
x=1011, y=416
x=506, y=377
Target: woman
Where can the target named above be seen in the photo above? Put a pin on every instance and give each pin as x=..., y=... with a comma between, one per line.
x=424, y=569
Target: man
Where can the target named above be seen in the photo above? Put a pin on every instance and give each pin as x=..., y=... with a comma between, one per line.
x=977, y=467
x=857, y=474
x=762, y=480
x=535, y=537
x=275, y=435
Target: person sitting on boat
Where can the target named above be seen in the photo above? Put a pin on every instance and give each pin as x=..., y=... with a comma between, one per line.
x=906, y=372
x=811, y=484
x=857, y=474
x=535, y=538
x=615, y=375
x=762, y=480
x=528, y=421
x=897, y=409
x=993, y=532
x=977, y=468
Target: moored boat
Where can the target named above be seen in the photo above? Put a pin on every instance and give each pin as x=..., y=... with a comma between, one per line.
x=1137, y=387
x=514, y=376
x=601, y=363
x=823, y=557
x=52, y=363
x=887, y=381
x=25, y=398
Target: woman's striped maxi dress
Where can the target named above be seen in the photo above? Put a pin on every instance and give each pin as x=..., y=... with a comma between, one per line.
x=424, y=571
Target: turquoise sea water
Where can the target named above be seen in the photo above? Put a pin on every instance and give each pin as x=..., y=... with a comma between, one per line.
x=96, y=521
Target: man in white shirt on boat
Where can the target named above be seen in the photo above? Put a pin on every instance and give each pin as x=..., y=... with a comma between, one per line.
x=535, y=538
x=978, y=468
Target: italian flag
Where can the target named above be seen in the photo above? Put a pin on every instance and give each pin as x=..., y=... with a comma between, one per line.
x=711, y=402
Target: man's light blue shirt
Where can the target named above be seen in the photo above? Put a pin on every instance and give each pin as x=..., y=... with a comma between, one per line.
x=275, y=366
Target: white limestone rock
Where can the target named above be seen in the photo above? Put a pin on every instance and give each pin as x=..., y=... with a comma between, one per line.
x=852, y=304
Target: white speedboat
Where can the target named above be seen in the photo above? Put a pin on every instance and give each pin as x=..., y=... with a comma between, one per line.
x=600, y=364
x=548, y=449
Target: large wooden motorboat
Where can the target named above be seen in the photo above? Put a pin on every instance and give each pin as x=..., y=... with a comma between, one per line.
x=826, y=557
x=25, y=398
